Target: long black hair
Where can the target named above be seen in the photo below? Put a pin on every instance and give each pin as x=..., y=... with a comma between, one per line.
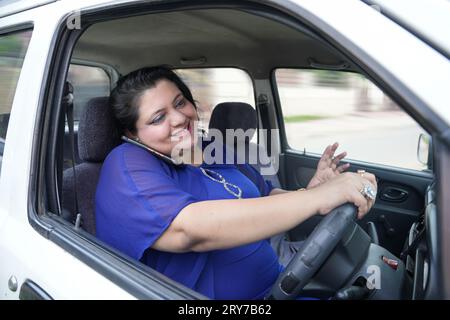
x=125, y=96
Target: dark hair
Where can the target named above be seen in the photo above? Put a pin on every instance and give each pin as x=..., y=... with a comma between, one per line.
x=125, y=96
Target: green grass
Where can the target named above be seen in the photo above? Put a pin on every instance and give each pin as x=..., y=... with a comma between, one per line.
x=303, y=118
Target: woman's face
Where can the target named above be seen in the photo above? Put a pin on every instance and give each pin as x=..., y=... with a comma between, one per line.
x=166, y=118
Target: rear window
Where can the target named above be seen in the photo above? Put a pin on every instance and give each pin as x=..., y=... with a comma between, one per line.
x=88, y=82
x=211, y=86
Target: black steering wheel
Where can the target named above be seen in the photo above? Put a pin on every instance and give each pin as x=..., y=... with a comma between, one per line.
x=311, y=256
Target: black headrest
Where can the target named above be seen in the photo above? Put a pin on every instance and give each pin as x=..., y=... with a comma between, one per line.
x=97, y=130
x=233, y=115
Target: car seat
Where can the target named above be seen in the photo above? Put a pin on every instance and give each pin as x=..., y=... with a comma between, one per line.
x=97, y=136
x=239, y=115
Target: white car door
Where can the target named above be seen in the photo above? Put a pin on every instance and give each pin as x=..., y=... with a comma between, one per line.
x=31, y=266
x=41, y=259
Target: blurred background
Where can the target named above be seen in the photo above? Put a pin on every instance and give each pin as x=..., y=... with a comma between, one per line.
x=319, y=106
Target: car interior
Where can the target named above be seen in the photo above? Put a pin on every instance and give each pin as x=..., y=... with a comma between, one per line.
x=394, y=245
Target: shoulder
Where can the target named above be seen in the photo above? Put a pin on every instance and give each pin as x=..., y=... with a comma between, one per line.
x=129, y=156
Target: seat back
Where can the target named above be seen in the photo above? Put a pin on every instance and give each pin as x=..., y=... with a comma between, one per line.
x=97, y=136
x=239, y=115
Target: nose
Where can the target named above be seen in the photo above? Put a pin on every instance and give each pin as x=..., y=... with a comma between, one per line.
x=177, y=118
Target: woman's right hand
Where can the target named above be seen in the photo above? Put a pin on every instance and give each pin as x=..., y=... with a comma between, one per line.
x=344, y=188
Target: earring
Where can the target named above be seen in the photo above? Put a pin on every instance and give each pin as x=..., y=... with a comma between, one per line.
x=137, y=139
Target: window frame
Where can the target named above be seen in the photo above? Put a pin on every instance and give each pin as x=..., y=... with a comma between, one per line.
x=110, y=73
x=133, y=277
x=80, y=245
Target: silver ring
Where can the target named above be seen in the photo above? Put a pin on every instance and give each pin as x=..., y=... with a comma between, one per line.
x=368, y=192
x=361, y=172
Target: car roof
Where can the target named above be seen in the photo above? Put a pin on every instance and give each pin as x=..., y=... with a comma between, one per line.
x=427, y=19
x=201, y=38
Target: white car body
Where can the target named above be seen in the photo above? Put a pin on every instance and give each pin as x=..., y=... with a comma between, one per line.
x=27, y=254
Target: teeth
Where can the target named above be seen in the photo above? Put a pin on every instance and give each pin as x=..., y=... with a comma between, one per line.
x=180, y=132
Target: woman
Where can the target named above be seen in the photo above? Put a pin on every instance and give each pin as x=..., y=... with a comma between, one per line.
x=205, y=226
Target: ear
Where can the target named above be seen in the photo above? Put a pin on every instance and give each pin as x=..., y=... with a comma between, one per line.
x=197, y=111
x=130, y=135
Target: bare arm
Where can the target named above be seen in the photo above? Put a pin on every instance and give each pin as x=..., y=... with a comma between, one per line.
x=278, y=191
x=220, y=224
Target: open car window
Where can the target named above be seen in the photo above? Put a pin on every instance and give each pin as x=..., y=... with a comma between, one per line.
x=211, y=86
x=88, y=82
x=319, y=104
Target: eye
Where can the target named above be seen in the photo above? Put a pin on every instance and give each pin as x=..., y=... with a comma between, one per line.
x=181, y=103
x=158, y=119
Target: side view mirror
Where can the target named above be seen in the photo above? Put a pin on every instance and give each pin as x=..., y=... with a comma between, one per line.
x=425, y=150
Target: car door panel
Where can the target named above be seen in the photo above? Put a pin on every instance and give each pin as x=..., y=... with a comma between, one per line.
x=400, y=197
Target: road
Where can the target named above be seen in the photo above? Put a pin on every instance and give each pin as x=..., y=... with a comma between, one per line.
x=388, y=138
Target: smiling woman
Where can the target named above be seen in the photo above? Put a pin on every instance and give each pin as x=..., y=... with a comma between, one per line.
x=204, y=225
x=195, y=229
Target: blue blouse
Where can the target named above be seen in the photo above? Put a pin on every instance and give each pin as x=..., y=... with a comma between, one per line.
x=138, y=196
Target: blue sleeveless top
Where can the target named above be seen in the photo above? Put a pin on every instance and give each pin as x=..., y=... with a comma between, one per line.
x=138, y=196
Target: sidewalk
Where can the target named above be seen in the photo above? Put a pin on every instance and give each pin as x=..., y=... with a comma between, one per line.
x=384, y=137
x=355, y=122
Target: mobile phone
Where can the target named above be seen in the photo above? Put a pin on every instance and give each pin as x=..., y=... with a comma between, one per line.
x=156, y=153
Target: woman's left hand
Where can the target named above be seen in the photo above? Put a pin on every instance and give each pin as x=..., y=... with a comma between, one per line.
x=327, y=167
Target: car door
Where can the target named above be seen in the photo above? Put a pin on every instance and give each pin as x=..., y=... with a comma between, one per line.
x=37, y=260
x=408, y=59
x=320, y=107
x=32, y=267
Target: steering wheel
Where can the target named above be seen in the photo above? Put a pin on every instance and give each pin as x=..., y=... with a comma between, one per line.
x=311, y=256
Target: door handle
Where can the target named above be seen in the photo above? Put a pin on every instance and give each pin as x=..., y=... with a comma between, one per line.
x=31, y=291
x=394, y=194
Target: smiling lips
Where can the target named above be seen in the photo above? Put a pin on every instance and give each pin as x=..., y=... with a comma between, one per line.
x=181, y=133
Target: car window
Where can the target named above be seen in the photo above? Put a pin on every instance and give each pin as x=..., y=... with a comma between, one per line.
x=324, y=106
x=88, y=82
x=13, y=47
x=211, y=86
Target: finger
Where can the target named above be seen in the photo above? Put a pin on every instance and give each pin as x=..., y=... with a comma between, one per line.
x=370, y=204
x=339, y=157
x=370, y=201
x=371, y=179
x=363, y=210
x=333, y=148
x=343, y=167
x=325, y=160
x=361, y=202
x=326, y=153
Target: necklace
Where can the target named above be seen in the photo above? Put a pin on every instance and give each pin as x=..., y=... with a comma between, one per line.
x=217, y=177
